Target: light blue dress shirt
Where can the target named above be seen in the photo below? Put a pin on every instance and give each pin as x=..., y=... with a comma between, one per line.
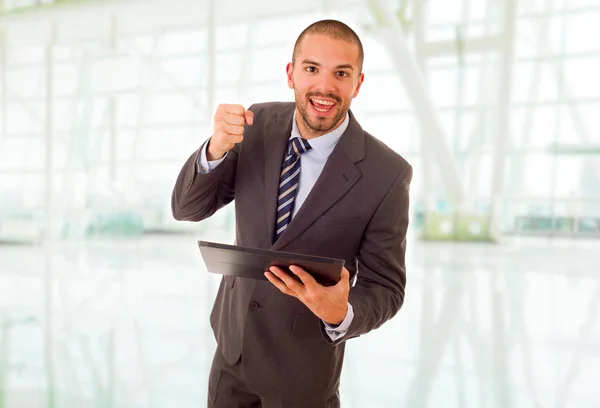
x=311, y=166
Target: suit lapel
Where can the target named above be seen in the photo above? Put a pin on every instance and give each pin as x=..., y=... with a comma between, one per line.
x=336, y=179
x=275, y=139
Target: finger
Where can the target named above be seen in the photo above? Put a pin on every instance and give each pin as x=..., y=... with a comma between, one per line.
x=225, y=141
x=287, y=279
x=304, y=276
x=222, y=110
x=236, y=109
x=235, y=130
x=279, y=284
x=232, y=119
x=249, y=117
x=344, y=277
x=231, y=129
x=235, y=139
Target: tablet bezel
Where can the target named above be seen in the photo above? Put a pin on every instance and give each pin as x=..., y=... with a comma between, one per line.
x=325, y=270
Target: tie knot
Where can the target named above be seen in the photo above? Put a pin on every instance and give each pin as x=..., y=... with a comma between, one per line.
x=299, y=145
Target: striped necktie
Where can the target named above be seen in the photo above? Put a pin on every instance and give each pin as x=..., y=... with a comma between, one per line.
x=288, y=185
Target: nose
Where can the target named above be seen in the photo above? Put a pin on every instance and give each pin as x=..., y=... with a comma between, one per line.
x=326, y=86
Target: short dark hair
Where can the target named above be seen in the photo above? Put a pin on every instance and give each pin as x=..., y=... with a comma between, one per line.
x=334, y=29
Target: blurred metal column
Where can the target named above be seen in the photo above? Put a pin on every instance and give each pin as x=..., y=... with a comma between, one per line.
x=112, y=138
x=112, y=362
x=3, y=82
x=558, y=114
x=477, y=137
x=49, y=329
x=427, y=161
x=211, y=25
x=461, y=35
x=4, y=361
x=48, y=220
x=112, y=107
x=248, y=58
x=475, y=338
x=391, y=35
x=48, y=133
x=504, y=112
x=501, y=386
x=212, y=56
x=148, y=66
x=516, y=178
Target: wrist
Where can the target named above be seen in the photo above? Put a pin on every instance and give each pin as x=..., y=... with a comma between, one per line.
x=339, y=317
x=213, y=153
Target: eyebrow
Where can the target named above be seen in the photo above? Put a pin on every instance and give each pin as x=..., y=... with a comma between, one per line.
x=342, y=66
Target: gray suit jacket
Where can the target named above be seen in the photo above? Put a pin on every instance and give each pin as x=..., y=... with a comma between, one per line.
x=357, y=211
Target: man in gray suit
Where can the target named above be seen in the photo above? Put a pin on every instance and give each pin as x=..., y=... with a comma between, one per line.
x=305, y=178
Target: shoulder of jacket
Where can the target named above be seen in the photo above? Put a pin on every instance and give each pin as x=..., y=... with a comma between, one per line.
x=378, y=150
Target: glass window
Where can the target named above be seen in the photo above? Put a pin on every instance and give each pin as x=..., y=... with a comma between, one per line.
x=581, y=75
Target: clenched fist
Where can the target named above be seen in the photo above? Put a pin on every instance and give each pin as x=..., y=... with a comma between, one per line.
x=229, y=129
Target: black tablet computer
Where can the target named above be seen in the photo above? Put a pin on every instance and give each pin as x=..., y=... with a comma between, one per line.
x=252, y=263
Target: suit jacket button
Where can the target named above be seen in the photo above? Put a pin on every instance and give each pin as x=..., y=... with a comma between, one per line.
x=254, y=305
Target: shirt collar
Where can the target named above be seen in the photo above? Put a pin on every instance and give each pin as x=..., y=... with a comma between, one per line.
x=324, y=144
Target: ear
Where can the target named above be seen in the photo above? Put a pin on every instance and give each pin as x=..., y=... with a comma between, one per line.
x=361, y=78
x=290, y=78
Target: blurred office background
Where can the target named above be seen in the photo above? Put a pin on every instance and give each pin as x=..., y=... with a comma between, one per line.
x=104, y=300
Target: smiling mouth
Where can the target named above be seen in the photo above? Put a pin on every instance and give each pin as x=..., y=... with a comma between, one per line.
x=322, y=105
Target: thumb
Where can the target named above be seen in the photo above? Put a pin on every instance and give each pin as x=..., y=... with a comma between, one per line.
x=345, y=276
x=249, y=115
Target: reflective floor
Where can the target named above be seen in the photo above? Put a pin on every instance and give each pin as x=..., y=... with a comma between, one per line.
x=124, y=323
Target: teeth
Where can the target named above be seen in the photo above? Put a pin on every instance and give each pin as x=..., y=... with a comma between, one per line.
x=323, y=102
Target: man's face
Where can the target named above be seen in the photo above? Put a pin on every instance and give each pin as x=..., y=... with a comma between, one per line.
x=325, y=78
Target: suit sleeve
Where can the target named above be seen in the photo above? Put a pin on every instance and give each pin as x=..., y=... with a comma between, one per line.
x=198, y=195
x=379, y=290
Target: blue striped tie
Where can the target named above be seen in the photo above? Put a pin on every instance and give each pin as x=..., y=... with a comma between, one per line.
x=288, y=185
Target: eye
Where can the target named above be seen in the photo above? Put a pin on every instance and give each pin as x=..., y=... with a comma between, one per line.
x=342, y=74
x=311, y=69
